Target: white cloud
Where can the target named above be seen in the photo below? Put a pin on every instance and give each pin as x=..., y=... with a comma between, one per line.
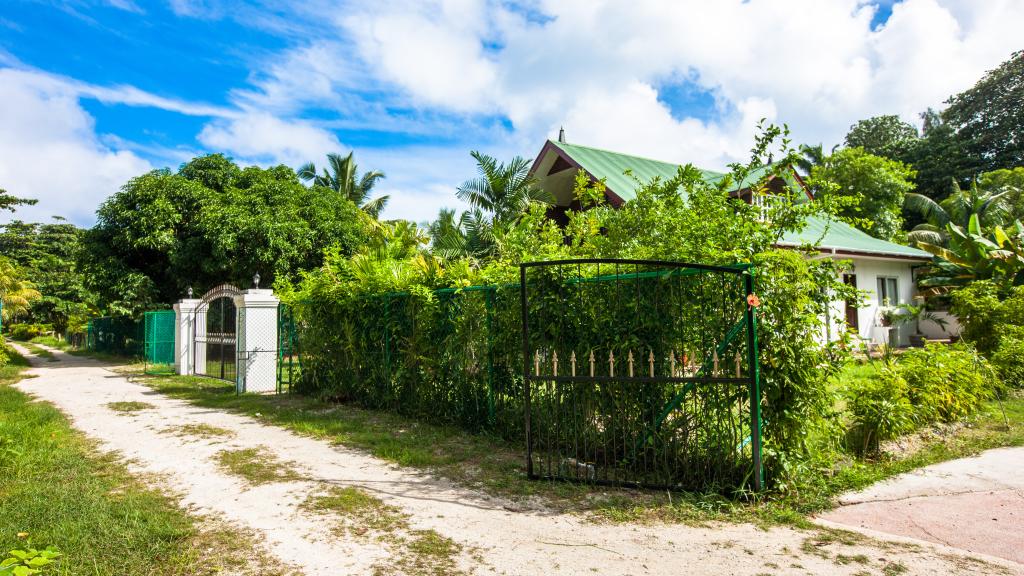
x=266, y=139
x=591, y=66
x=49, y=151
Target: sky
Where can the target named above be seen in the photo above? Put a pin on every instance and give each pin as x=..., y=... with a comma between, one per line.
x=93, y=93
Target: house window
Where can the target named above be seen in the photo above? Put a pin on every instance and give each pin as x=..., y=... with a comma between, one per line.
x=888, y=290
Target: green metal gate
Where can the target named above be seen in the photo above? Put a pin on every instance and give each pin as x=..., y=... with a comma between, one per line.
x=159, y=342
x=289, y=362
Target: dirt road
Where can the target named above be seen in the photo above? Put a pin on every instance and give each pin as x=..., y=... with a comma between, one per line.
x=491, y=538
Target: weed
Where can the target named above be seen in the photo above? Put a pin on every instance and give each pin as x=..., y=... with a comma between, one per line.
x=894, y=569
x=257, y=465
x=200, y=431
x=129, y=406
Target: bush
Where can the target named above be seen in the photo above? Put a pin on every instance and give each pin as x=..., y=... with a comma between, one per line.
x=983, y=308
x=936, y=383
x=1008, y=359
x=880, y=407
x=5, y=357
x=946, y=383
x=26, y=332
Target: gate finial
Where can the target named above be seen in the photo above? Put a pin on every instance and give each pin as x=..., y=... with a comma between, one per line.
x=554, y=362
x=672, y=363
x=650, y=360
x=738, y=360
x=572, y=359
x=611, y=363
x=630, y=360
x=591, y=363
x=714, y=362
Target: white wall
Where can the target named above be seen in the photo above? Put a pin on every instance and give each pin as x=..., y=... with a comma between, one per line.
x=868, y=270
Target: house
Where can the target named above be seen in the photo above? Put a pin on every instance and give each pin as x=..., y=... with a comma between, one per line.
x=883, y=269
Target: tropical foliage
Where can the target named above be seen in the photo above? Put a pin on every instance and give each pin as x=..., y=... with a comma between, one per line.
x=992, y=317
x=16, y=293
x=973, y=254
x=958, y=208
x=47, y=253
x=342, y=176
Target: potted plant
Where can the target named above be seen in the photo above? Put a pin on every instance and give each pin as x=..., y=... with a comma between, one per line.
x=910, y=314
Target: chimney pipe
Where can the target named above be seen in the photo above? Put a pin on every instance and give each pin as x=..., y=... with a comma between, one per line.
x=561, y=134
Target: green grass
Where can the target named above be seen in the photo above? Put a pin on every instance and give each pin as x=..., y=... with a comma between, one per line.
x=58, y=489
x=257, y=465
x=129, y=406
x=52, y=342
x=39, y=351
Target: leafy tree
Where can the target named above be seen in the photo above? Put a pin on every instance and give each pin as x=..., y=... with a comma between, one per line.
x=47, y=254
x=16, y=292
x=164, y=232
x=343, y=177
x=8, y=201
x=886, y=136
x=989, y=118
x=991, y=209
x=878, y=184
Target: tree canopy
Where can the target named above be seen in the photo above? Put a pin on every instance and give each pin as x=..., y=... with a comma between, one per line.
x=885, y=136
x=877, y=184
x=46, y=253
x=211, y=222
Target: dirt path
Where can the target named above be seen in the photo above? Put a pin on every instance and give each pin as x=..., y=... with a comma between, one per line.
x=493, y=538
x=976, y=504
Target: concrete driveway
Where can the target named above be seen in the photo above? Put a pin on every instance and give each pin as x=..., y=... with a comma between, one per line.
x=975, y=504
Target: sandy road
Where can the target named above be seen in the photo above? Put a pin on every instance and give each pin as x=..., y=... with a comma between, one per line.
x=501, y=541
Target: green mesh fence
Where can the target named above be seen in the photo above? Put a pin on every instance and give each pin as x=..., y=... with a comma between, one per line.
x=120, y=336
x=159, y=342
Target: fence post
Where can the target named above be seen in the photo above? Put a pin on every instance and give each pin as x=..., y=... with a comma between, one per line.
x=184, y=334
x=526, y=370
x=755, y=383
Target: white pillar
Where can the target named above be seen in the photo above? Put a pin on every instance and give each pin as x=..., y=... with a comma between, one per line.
x=257, y=340
x=184, y=315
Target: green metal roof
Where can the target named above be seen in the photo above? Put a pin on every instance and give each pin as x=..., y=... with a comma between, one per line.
x=833, y=234
x=837, y=235
x=612, y=167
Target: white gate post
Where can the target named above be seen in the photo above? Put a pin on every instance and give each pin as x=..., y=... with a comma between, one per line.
x=184, y=315
x=257, y=340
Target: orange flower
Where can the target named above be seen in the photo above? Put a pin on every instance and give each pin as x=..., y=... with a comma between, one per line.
x=753, y=301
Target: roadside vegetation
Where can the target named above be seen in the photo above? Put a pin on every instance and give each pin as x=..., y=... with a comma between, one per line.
x=56, y=490
x=497, y=467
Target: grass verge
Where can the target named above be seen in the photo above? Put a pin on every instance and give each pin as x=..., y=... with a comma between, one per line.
x=55, y=487
x=497, y=467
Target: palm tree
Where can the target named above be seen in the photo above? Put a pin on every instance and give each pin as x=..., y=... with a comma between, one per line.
x=503, y=191
x=471, y=235
x=342, y=177
x=811, y=156
x=16, y=293
x=957, y=209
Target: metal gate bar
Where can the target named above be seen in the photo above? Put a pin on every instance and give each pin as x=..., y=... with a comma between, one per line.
x=641, y=373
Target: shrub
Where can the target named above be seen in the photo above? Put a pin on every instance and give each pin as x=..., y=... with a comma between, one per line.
x=1008, y=359
x=936, y=383
x=880, y=407
x=26, y=332
x=983, y=308
x=946, y=383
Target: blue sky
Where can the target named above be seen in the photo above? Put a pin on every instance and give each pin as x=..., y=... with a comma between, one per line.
x=94, y=92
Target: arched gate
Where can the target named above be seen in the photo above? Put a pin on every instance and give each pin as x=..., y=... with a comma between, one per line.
x=215, y=338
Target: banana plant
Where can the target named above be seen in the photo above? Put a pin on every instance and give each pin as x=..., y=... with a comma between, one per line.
x=973, y=255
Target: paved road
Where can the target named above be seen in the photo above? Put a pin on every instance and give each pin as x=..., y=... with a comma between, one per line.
x=975, y=504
